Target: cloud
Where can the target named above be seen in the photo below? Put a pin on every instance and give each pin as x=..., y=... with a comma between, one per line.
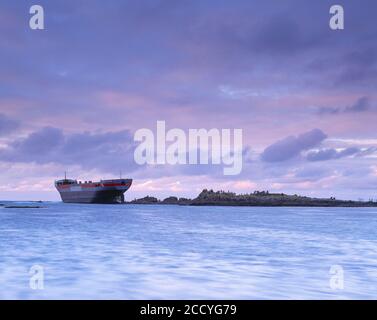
x=108, y=151
x=292, y=146
x=361, y=105
x=330, y=154
x=7, y=125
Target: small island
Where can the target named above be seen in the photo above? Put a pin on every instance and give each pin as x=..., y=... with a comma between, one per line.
x=255, y=199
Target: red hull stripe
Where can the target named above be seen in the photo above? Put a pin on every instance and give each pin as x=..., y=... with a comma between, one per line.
x=97, y=185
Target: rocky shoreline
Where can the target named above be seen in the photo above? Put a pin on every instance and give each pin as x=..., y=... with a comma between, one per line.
x=256, y=199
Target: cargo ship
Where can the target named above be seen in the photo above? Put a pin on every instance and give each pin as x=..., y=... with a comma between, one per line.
x=103, y=191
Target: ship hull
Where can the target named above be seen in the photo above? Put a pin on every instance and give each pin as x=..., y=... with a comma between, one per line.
x=111, y=196
x=105, y=192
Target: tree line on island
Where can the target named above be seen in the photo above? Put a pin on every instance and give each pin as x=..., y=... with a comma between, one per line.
x=257, y=198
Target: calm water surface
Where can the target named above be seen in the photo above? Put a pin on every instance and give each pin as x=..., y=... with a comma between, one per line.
x=173, y=252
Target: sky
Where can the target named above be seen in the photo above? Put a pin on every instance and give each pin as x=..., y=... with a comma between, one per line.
x=73, y=95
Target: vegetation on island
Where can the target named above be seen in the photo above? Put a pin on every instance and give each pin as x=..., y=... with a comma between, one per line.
x=257, y=198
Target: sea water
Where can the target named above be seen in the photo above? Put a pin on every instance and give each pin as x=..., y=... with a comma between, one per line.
x=79, y=251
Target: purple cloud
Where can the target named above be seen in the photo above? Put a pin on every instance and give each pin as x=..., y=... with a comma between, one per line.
x=108, y=151
x=330, y=154
x=292, y=146
x=361, y=105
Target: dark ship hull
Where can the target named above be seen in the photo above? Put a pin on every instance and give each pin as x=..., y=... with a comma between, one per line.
x=104, y=191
